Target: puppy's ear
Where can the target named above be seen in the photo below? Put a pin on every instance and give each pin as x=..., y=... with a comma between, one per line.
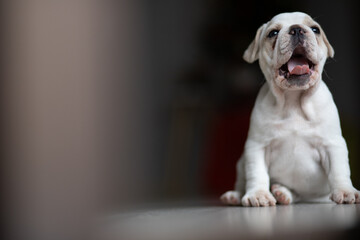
x=251, y=54
x=330, y=49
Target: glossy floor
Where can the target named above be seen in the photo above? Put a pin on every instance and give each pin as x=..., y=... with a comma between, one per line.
x=300, y=221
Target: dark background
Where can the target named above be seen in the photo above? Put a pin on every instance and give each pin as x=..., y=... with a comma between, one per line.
x=107, y=104
x=202, y=91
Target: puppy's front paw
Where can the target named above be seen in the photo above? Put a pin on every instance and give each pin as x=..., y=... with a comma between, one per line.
x=258, y=198
x=341, y=196
x=231, y=198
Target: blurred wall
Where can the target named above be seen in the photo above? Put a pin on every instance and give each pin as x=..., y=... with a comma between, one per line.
x=76, y=133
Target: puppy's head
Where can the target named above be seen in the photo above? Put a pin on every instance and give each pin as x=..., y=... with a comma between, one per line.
x=292, y=50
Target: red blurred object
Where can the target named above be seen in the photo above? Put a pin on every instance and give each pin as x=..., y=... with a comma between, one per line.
x=227, y=138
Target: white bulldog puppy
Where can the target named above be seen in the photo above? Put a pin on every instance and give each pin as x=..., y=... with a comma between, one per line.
x=294, y=150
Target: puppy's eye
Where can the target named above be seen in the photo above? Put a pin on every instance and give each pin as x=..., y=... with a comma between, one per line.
x=273, y=33
x=316, y=30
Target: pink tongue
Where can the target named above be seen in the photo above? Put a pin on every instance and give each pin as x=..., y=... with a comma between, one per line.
x=298, y=66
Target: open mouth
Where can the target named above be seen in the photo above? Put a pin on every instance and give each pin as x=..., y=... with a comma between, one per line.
x=299, y=67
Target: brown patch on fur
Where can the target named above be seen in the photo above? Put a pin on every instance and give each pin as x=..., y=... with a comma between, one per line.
x=273, y=45
x=308, y=21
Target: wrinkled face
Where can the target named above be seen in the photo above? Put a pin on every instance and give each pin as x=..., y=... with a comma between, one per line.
x=292, y=50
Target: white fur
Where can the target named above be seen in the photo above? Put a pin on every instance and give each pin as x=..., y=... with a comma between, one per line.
x=295, y=139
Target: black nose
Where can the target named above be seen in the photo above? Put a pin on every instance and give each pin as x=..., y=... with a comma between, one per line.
x=297, y=31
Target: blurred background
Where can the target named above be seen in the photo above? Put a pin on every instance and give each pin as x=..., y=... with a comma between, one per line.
x=106, y=104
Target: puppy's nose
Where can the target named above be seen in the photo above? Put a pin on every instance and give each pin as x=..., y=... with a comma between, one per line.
x=297, y=31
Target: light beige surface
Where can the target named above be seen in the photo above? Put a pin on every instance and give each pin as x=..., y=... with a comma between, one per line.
x=300, y=221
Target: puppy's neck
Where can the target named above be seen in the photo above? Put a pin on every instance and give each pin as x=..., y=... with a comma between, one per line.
x=290, y=102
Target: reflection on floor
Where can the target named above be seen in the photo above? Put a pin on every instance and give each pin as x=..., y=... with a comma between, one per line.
x=300, y=221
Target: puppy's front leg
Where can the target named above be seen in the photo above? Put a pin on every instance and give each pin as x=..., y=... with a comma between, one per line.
x=338, y=170
x=257, y=178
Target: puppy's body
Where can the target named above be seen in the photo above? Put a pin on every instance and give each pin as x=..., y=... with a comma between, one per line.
x=295, y=143
x=294, y=147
